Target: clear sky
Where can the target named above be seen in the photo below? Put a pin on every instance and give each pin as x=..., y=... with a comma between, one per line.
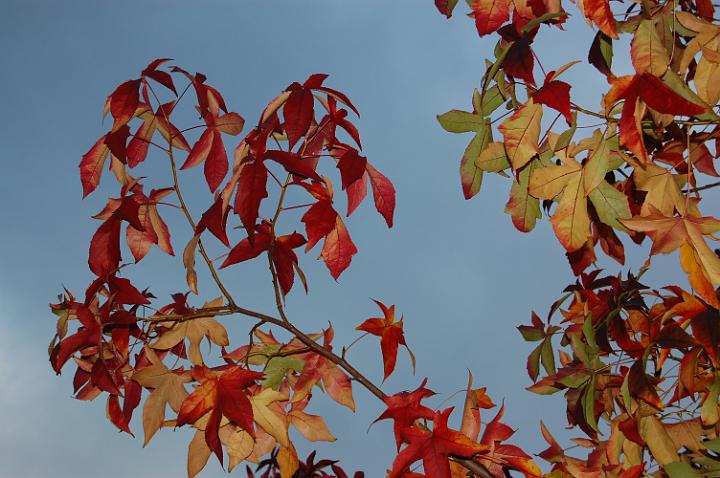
x=458, y=271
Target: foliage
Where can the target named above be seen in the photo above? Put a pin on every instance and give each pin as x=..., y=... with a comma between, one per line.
x=639, y=367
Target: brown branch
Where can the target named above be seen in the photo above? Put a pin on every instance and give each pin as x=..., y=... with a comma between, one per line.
x=183, y=205
x=472, y=466
x=702, y=188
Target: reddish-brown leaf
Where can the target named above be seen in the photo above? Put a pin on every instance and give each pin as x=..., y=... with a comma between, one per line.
x=383, y=194
x=250, y=193
x=338, y=249
x=434, y=447
x=490, y=15
x=91, y=166
x=390, y=333
x=123, y=102
x=104, y=256
x=556, y=95
x=405, y=407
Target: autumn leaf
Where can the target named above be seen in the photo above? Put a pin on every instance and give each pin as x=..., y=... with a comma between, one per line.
x=656, y=94
x=406, y=407
x=446, y=7
x=556, y=95
x=383, y=194
x=275, y=424
x=390, y=333
x=490, y=15
x=663, y=190
x=123, y=103
x=521, y=132
x=167, y=389
x=194, y=331
x=221, y=395
x=312, y=427
x=570, y=221
x=434, y=447
x=647, y=51
x=318, y=368
x=523, y=207
x=599, y=12
x=670, y=233
x=338, y=249
x=210, y=147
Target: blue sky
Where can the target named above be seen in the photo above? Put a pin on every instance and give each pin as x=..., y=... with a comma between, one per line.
x=458, y=271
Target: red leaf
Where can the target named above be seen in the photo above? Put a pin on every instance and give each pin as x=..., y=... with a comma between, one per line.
x=161, y=77
x=298, y=114
x=123, y=102
x=116, y=141
x=104, y=256
x=200, y=150
x=223, y=395
x=445, y=6
x=662, y=98
x=124, y=292
x=338, y=249
x=91, y=166
x=356, y=193
x=600, y=13
x=115, y=414
x=294, y=163
x=246, y=250
x=490, y=15
x=640, y=386
x=352, y=166
x=216, y=164
x=215, y=220
x=383, y=193
x=556, y=95
x=405, y=407
x=390, y=333
x=434, y=447
x=250, y=193
x=285, y=260
x=519, y=60
x=319, y=222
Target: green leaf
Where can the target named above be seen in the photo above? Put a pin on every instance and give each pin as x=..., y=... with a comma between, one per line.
x=709, y=411
x=566, y=136
x=493, y=158
x=588, y=404
x=575, y=379
x=680, y=469
x=533, y=362
x=278, y=367
x=601, y=53
x=470, y=175
x=488, y=103
x=456, y=121
x=542, y=19
x=713, y=445
x=531, y=333
x=547, y=357
x=610, y=205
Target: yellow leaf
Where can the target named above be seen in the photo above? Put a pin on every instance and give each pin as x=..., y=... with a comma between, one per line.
x=312, y=427
x=270, y=421
x=658, y=440
x=521, y=133
x=195, y=330
x=198, y=454
x=647, y=51
x=288, y=460
x=167, y=388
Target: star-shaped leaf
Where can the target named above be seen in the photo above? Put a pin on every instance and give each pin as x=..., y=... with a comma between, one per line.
x=390, y=333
